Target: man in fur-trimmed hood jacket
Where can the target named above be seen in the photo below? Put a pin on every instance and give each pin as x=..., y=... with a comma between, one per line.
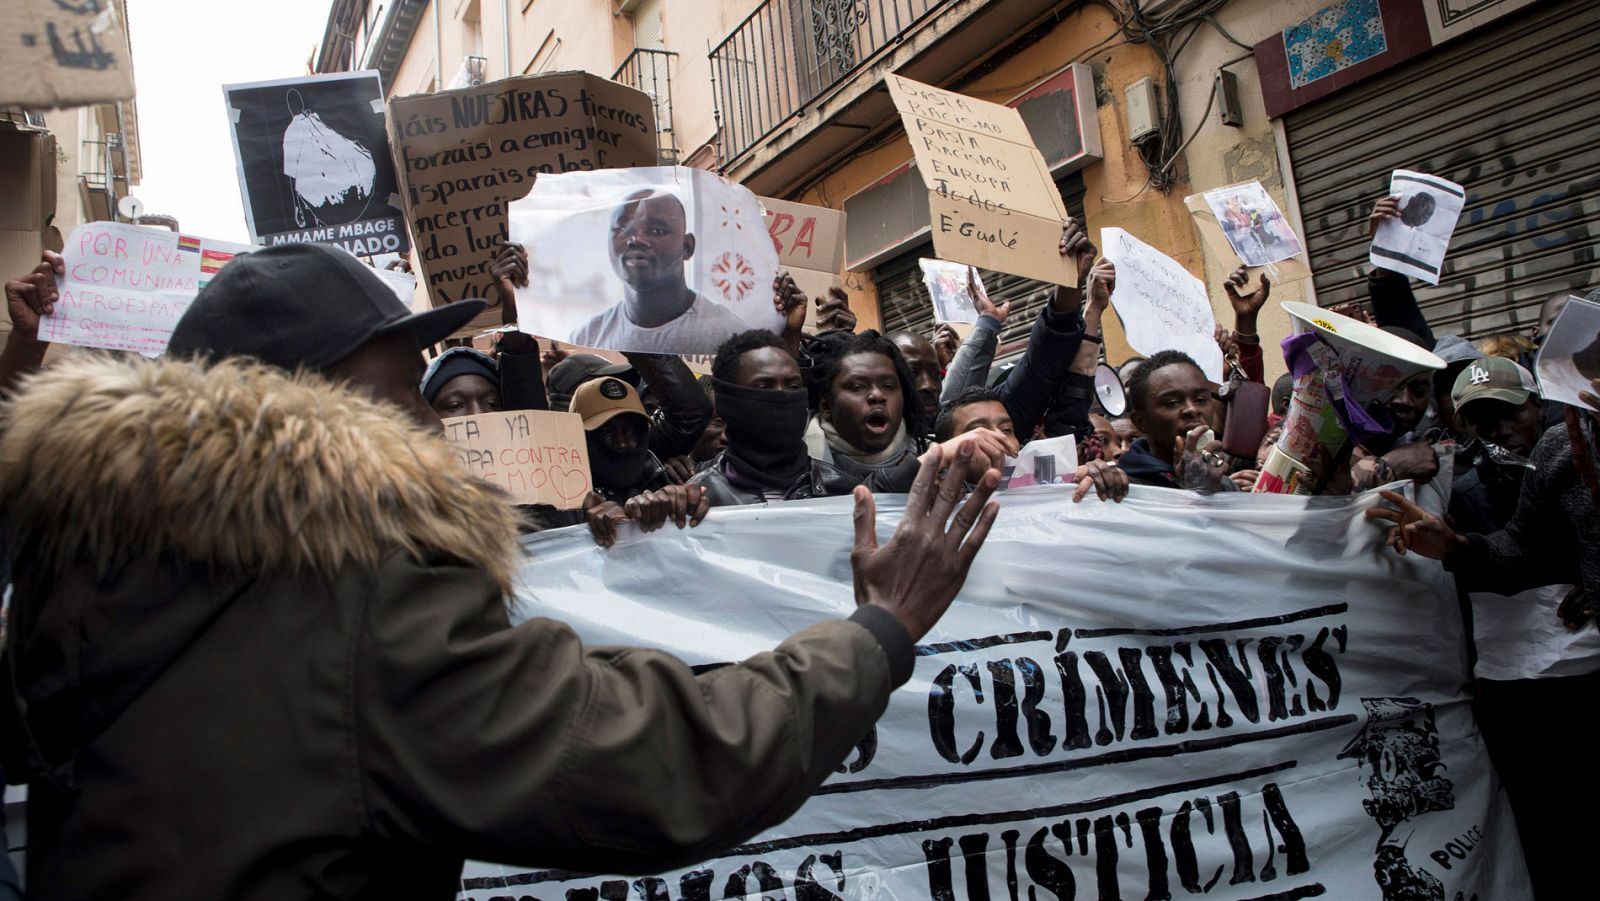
x=260, y=648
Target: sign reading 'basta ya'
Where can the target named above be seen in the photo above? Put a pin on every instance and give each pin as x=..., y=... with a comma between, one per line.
x=1237, y=697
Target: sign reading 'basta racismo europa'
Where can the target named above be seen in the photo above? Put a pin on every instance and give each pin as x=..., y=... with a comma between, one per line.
x=1272, y=710
x=464, y=155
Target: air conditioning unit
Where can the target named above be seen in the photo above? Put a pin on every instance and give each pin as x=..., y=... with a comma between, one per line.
x=471, y=74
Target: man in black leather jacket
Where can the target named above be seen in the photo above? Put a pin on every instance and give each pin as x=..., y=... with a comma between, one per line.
x=761, y=398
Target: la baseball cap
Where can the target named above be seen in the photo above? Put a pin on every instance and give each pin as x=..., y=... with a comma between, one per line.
x=305, y=305
x=602, y=400
x=1493, y=378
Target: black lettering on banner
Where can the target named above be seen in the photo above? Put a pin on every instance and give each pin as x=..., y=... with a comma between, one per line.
x=941, y=713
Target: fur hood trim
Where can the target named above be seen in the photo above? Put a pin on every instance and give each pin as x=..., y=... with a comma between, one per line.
x=237, y=466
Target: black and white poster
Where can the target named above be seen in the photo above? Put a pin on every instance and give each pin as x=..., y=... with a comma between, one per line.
x=314, y=162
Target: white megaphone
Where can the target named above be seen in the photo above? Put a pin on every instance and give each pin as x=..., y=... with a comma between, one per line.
x=1355, y=362
x=1108, y=388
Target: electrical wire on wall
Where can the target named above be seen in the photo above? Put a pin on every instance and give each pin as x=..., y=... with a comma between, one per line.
x=1167, y=35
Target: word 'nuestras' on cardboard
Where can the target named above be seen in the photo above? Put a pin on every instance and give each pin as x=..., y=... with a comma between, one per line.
x=464, y=155
x=535, y=456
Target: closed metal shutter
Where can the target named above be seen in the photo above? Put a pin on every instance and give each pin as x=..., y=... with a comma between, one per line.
x=904, y=302
x=1512, y=113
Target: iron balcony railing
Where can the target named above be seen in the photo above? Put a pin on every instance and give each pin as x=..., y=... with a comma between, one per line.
x=650, y=71
x=102, y=167
x=788, y=52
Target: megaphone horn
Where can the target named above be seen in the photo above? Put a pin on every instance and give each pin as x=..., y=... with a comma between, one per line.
x=1108, y=388
x=1348, y=364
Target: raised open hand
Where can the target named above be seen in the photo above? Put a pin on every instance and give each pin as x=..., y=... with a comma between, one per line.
x=918, y=573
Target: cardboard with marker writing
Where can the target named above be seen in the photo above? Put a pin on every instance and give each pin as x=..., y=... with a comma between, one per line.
x=464, y=155
x=992, y=200
x=535, y=456
x=61, y=55
x=810, y=243
x=1292, y=269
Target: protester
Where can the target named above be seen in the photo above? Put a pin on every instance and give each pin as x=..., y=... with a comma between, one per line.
x=1170, y=402
x=1113, y=435
x=1553, y=536
x=761, y=400
x=309, y=609
x=1031, y=386
x=980, y=409
x=27, y=298
x=630, y=484
x=462, y=382
x=926, y=373
x=1068, y=413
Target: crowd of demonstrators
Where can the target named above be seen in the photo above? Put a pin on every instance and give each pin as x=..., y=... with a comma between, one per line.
x=310, y=607
x=399, y=565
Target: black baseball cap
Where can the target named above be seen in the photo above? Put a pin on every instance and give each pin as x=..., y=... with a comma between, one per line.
x=305, y=305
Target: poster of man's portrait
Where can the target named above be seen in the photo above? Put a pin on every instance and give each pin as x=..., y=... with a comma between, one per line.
x=658, y=260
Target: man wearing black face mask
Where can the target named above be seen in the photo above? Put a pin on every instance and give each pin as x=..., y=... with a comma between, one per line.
x=761, y=399
x=629, y=482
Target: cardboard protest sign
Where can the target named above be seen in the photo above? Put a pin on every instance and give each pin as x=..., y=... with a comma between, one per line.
x=992, y=200
x=464, y=155
x=126, y=286
x=1277, y=710
x=1162, y=306
x=59, y=55
x=947, y=286
x=661, y=259
x=1569, y=358
x=535, y=456
x=1415, y=244
x=810, y=243
x=313, y=161
x=1205, y=219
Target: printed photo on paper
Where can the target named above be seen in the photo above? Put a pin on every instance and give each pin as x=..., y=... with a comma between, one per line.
x=1569, y=358
x=314, y=164
x=947, y=284
x=656, y=260
x=1258, y=232
x=1415, y=243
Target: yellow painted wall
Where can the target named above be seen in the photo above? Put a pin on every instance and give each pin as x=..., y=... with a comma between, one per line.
x=1115, y=194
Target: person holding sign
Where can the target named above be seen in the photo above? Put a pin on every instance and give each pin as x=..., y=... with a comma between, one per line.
x=286, y=609
x=650, y=245
x=27, y=298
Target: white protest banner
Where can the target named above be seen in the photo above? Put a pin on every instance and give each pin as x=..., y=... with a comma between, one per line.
x=1238, y=696
x=1569, y=358
x=314, y=164
x=1415, y=243
x=535, y=456
x=1162, y=306
x=63, y=54
x=662, y=259
x=126, y=286
x=947, y=286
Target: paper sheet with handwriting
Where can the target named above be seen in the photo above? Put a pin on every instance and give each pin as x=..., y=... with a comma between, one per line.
x=1162, y=306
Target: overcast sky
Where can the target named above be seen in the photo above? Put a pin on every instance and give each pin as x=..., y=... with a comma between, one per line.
x=183, y=52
